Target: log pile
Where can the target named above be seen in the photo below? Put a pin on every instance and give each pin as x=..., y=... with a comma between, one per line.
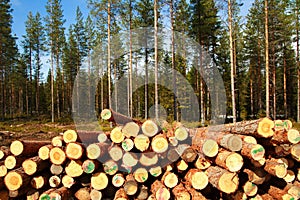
x=256, y=159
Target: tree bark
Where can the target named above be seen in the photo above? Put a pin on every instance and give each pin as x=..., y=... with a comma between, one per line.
x=267, y=60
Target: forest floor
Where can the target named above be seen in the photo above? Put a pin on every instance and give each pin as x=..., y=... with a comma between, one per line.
x=40, y=130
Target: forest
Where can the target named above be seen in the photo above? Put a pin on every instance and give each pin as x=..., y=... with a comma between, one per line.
x=121, y=57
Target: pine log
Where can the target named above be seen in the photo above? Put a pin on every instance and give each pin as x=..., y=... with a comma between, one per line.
x=141, y=142
x=62, y=193
x=67, y=181
x=117, y=118
x=95, y=194
x=195, y=195
x=57, y=141
x=290, y=176
x=170, y=179
x=70, y=136
x=56, y=169
x=129, y=159
x=159, y=143
x=148, y=159
x=143, y=194
x=173, y=155
x=181, y=166
x=189, y=154
x=33, y=194
x=74, y=169
x=131, y=129
x=121, y=195
x=34, y=164
x=130, y=185
x=44, y=152
x=222, y=179
x=253, y=151
x=110, y=167
x=57, y=156
x=116, y=135
x=210, y=148
x=197, y=179
x=155, y=171
x=173, y=141
x=16, y=178
x=282, y=125
x=46, y=195
x=257, y=176
x=140, y=175
x=275, y=168
x=280, y=137
x=250, y=188
x=181, y=133
x=89, y=166
x=118, y=180
x=26, y=147
x=40, y=181
x=276, y=193
x=3, y=170
x=202, y=163
x=54, y=181
x=180, y=192
x=74, y=150
x=160, y=191
x=231, y=161
x=150, y=128
x=99, y=181
x=295, y=152
x=116, y=153
x=127, y=144
x=96, y=150
x=10, y=162
x=83, y=194
x=4, y=152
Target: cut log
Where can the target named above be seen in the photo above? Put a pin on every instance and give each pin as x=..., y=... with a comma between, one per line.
x=173, y=141
x=170, y=179
x=127, y=144
x=231, y=142
x=140, y=175
x=189, y=155
x=33, y=195
x=181, y=133
x=173, y=154
x=257, y=176
x=16, y=178
x=159, y=144
x=222, y=179
x=248, y=139
x=74, y=150
x=62, y=193
x=293, y=190
x=280, y=137
x=110, y=167
x=46, y=195
x=67, y=181
x=57, y=141
x=96, y=150
x=95, y=194
x=290, y=176
x=129, y=159
x=148, y=159
x=295, y=152
x=121, y=195
x=293, y=136
x=57, y=156
x=198, y=179
x=160, y=191
x=26, y=147
x=3, y=170
x=195, y=195
x=89, y=166
x=253, y=151
x=130, y=186
x=231, y=161
x=275, y=168
x=38, y=182
x=202, y=163
x=276, y=193
x=118, y=180
x=99, y=181
x=116, y=153
x=116, y=135
x=250, y=189
x=155, y=171
x=4, y=152
x=83, y=194
x=56, y=169
x=74, y=169
x=34, y=164
x=102, y=137
x=181, y=193
x=150, y=128
x=210, y=148
x=112, y=116
x=142, y=142
x=70, y=136
x=44, y=152
x=10, y=162
x=131, y=129
x=143, y=194
x=282, y=125
x=54, y=181
x=181, y=166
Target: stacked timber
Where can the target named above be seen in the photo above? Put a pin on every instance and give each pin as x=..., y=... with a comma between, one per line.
x=256, y=159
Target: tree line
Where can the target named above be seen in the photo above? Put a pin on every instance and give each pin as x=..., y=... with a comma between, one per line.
x=257, y=58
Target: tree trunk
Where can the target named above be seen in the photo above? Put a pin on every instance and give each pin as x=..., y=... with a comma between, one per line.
x=284, y=86
x=298, y=63
x=156, y=57
x=267, y=60
x=231, y=61
x=130, y=109
x=108, y=53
